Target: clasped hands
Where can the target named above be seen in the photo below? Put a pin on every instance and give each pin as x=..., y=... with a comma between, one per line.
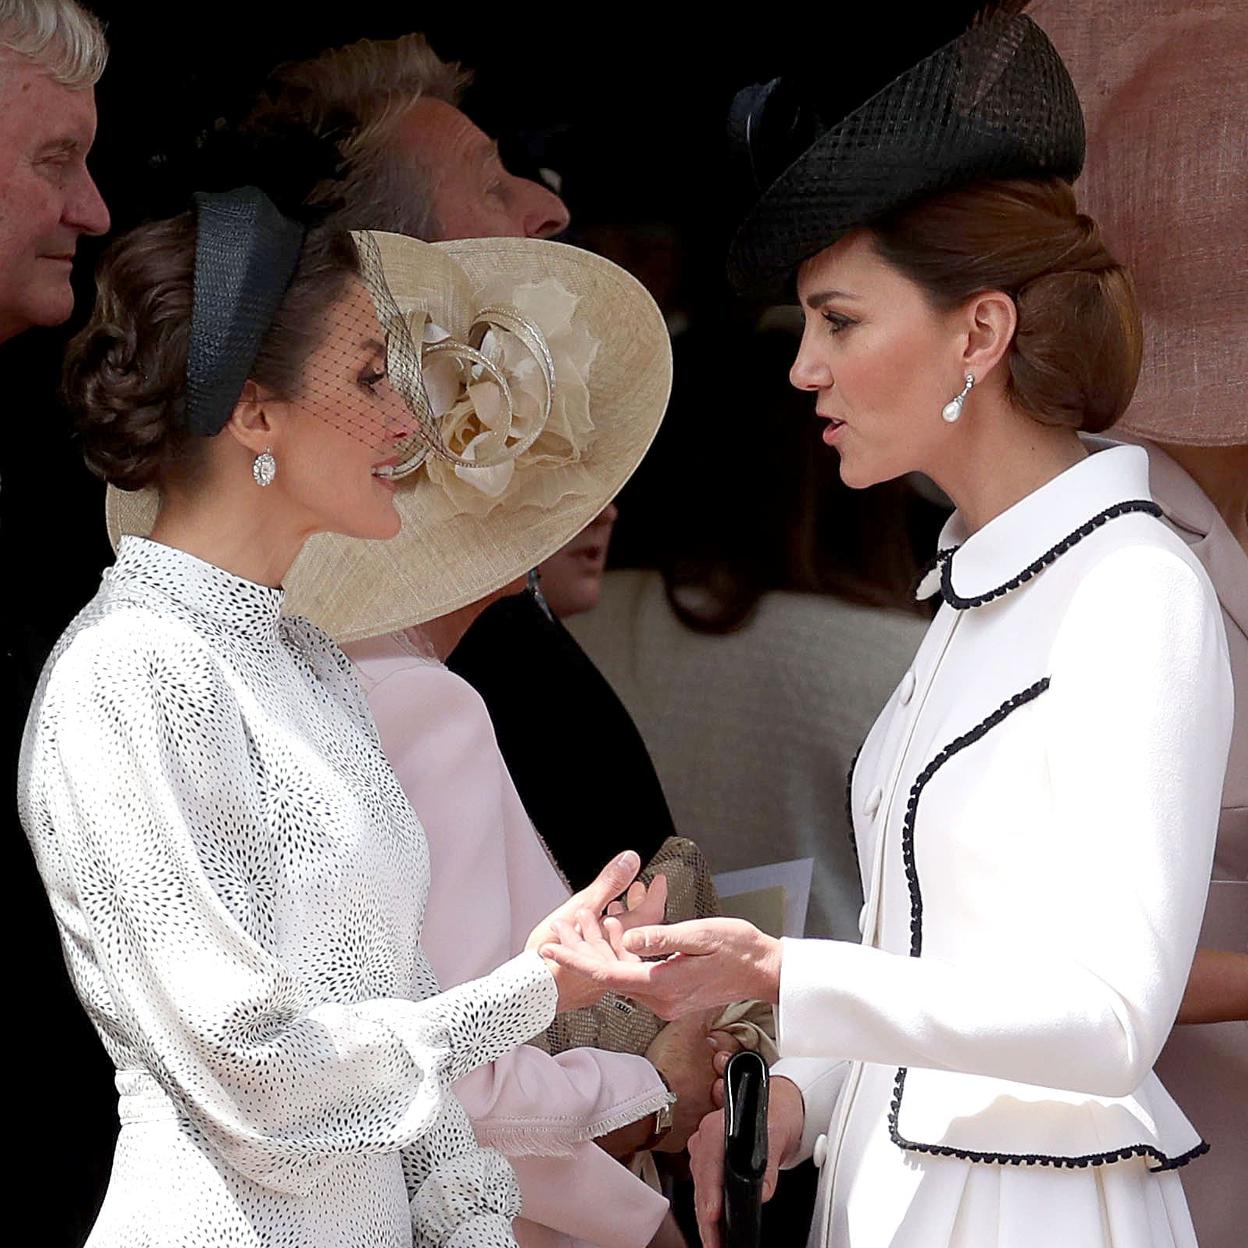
x=594, y=945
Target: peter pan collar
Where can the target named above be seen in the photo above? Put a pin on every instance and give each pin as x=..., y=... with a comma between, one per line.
x=1023, y=540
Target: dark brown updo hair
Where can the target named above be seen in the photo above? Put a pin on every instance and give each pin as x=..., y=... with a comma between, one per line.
x=1075, y=357
x=125, y=372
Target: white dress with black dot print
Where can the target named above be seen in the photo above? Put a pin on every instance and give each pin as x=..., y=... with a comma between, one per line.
x=239, y=883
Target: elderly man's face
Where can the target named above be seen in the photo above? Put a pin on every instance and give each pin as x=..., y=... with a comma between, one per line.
x=473, y=195
x=47, y=197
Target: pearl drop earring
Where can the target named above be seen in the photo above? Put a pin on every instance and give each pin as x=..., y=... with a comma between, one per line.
x=953, y=409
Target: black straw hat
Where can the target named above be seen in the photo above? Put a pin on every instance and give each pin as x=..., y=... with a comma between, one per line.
x=996, y=102
x=252, y=218
x=246, y=253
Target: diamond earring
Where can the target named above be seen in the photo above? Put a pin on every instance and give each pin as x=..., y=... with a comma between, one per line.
x=953, y=409
x=264, y=467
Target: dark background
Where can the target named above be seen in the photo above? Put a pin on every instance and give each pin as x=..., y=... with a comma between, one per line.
x=629, y=109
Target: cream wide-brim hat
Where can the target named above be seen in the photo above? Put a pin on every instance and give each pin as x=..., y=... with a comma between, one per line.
x=443, y=559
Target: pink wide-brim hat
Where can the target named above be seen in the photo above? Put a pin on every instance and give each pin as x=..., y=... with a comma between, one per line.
x=1165, y=96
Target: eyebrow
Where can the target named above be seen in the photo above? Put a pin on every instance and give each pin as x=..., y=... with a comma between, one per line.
x=371, y=344
x=821, y=297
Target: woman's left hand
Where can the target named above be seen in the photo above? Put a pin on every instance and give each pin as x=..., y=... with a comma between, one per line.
x=577, y=922
x=704, y=963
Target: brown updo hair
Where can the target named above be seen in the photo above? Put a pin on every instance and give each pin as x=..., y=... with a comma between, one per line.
x=1075, y=357
x=125, y=372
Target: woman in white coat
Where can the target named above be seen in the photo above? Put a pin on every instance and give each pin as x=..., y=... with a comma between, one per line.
x=1035, y=808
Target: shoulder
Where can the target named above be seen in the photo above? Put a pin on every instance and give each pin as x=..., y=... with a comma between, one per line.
x=124, y=671
x=1139, y=565
x=119, y=642
x=826, y=619
x=415, y=701
x=1140, y=609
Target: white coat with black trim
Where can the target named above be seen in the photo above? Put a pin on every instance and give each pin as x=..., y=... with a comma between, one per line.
x=1035, y=812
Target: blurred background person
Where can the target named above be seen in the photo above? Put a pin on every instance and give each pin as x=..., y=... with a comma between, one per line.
x=1166, y=97
x=415, y=164
x=52, y=54
x=571, y=579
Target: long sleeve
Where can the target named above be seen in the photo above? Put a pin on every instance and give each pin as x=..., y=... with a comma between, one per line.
x=165, y=842
x=820, y=1081
x=528, y=1102
x=1134, y=726
x=587, y=1197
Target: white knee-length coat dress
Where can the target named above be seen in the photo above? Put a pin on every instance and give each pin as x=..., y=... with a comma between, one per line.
x=1035, y=813
x=239, y=884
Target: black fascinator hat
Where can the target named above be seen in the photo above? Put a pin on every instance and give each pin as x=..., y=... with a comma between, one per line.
x=996, y=102
x=248, y=243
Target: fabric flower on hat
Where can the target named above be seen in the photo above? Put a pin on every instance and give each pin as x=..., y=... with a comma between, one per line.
x=471, y=413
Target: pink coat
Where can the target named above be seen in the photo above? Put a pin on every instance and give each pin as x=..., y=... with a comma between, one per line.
x=492, y=881
x=1205, y=1066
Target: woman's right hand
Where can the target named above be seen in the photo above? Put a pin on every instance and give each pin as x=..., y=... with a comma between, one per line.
x=786, y=1116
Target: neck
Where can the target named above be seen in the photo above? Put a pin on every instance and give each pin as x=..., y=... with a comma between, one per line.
x=1222, y=473
x=999, y=457
x=446, y=632
x=246, y=539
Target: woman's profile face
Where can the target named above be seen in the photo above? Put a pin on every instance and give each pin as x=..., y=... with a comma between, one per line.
x=345, y=423
x=881, y=361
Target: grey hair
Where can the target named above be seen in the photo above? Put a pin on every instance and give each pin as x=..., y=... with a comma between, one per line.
x=357, y=95
x=60, y=36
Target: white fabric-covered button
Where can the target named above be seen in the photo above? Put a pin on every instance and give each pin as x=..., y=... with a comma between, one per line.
x=906, y=692
x=820, y=1155
x=862, y=921
x=874, y=798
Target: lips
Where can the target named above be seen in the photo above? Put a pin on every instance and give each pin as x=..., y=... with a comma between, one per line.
x=834, y=426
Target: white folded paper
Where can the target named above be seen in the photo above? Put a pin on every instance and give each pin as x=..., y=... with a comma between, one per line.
x=773, y=897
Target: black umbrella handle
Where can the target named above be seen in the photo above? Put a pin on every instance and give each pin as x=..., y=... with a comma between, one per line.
x=745, y=1149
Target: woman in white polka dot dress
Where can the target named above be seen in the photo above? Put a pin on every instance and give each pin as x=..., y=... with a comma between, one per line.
x=237, y=877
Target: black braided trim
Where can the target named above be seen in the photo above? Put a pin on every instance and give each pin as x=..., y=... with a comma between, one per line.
x=954, y=599
x=1006, y=708
x=916, y=948
x=1034, y=1159
x=849, y=799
